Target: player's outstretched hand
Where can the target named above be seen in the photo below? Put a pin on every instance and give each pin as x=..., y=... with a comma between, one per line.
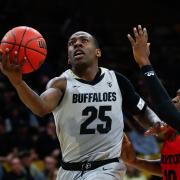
x=158, y=129
x=11, y=70
x=140, y=45
x=128, y=154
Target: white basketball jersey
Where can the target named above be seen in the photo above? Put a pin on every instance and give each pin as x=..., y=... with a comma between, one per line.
x=89, y=120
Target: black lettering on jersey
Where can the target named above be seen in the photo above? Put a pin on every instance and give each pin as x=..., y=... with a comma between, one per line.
x=170, y=174
x=99, y=97
x=109, y=96
x=90, y=97
x=105, y=97
x=80, y=98
x=94, y=97
x=170, y=159
x=86, y=97
x=74, y=100
x=113, y=96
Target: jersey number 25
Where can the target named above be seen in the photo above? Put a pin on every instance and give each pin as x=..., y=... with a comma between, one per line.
x=96, y=113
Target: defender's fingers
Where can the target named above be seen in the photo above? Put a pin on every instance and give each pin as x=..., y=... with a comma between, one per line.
x=150, y=132
x=132, y=41
x=140, y=30
x=135, y=32
x=145, y=33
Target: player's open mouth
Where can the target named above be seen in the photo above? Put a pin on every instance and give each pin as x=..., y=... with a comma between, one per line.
x=78, y=53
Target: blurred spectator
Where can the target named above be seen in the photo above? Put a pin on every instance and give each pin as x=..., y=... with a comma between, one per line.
x=23, y=139
x=17, y=172
x=5, y=137
x=16, y=122
x=47, y=138
x=32, y=173
x=50, y=170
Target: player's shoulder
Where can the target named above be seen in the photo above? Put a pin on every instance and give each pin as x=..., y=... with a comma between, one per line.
x=112, y=71
x=57, y=82
x=106, y=71
x=119, y=76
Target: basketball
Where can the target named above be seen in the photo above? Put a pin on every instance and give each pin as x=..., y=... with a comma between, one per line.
x=29, y=43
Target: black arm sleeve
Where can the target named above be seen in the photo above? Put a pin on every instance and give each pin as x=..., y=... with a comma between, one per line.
x=131, y=101
x=161, y=101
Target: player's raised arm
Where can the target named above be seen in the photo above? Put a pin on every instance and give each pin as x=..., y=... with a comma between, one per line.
x=133, y=104
x=39, y=105
x=161, y=101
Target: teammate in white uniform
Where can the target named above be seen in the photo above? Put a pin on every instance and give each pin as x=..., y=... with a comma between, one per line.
x=87, y=103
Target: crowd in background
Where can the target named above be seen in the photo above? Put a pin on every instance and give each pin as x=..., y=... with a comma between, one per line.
x=29, y=148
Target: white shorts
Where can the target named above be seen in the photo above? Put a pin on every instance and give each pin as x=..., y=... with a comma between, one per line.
x=112, y=171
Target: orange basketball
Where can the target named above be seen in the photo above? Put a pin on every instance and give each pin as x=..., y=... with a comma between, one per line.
x=27, y=42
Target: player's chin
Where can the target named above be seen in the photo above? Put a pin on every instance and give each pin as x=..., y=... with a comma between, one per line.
x=79, y=60
x=81, y=63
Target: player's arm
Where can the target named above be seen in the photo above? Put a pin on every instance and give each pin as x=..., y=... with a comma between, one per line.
x=161, y=101
x=40, y=105
x=132, y=103
x=128, y=155
x=47, y=101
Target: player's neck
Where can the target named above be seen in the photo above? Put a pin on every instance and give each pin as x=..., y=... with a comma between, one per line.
x=87, y=74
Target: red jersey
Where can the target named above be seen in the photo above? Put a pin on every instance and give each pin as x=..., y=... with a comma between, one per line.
x=170, y=157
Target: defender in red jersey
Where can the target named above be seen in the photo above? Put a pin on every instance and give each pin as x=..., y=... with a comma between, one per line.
x=169, y=165
x=170, y=156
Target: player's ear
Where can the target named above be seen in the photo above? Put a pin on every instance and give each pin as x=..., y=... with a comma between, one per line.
x=98, y=52
x=68, y=60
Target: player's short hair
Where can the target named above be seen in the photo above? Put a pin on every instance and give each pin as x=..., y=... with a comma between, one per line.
x=95, y=41
x=93, y=37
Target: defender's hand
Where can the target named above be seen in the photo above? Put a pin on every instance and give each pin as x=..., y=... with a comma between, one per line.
x=11, y=70
x=140, y=45
x=128, y=154
x=157, y=129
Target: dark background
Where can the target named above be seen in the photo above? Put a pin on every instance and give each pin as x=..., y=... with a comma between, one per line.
x=109, y=21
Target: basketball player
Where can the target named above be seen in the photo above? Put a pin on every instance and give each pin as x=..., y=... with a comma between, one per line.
x=170, y=159
x=87, y=103
x=167, y=167
x=161, y=100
